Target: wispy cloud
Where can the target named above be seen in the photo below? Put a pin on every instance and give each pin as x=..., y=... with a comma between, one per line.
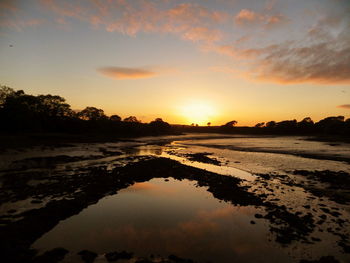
x=188, y=20
x=11, y=16
x=344, y=106
x=250, y=17
x=322, y=63
x=247, y=16
x=126, y=73
x=322, y=57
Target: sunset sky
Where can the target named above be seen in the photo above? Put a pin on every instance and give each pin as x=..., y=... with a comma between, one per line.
x=183, y=61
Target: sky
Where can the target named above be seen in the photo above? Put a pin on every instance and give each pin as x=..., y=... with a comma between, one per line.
x=187, y=62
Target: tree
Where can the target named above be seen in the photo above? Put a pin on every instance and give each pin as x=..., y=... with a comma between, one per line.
x=306, y=124
x=270, y=124
x=307, y=120
x=287, y=126
x=259, y=125
x=131, y=119
x=230, y=124
x=331, y=125
x=115, y=118
x=54, y=106
x=209, y=123
x=92, y=114
x=5, y=92
x=159, y=125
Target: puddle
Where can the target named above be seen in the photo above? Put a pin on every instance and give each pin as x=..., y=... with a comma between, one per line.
x=164, y=217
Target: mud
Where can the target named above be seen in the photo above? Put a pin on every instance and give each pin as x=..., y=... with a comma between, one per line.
x=337, y=184
x=198, y=157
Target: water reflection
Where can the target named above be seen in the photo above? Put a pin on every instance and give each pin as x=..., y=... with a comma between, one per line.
x=165, y=216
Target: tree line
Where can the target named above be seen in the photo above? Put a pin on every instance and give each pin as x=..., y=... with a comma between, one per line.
x=333, y=125
x=21, y=112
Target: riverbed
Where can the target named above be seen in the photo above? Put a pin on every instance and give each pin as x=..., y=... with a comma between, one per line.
x=199, y=197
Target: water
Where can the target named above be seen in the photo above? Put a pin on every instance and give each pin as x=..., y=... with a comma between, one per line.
x=165, y=216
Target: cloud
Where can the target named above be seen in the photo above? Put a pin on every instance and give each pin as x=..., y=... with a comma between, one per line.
x=322, y=63
x=64, y=9
x=344, y=106
x=190, y=21
x=202, y=34
x=321, y=57
x=249, y=17
x=126, y=73
x=11, y=16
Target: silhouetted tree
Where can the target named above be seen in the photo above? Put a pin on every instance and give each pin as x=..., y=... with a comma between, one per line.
x=54, y=106
x=306, y=125
x=209, y=123
x=259, y=125
x=159, y=126
x=131, y=119
x=92, y=114
x=307, y=120
x=270, y=124
x=331, y=125
x=230, y=124
x=115, y=118
x=5, y=92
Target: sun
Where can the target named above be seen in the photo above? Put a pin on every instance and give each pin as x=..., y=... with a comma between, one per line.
x=198, y=112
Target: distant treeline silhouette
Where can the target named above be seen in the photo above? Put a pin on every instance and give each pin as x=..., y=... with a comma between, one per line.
x=334, y=125
x=24, y=113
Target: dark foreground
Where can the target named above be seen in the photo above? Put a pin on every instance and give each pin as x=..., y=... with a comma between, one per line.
x=75, y=192
x=296, y=203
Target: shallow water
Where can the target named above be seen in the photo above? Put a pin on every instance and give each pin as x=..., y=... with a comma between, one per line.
x=165, y=216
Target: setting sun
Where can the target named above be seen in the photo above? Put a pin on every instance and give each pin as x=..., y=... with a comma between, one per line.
x=198, y=113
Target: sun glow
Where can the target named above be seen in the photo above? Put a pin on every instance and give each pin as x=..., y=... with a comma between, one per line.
x=198, y=113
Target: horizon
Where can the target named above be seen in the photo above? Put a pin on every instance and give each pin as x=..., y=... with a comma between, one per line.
x=182, y=61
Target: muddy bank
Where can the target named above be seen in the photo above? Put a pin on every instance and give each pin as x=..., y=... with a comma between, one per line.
x=318, y=156
x=197, y=157
x=335, y=185
x=18, y=141
x=323, y=188
x=53, y=161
